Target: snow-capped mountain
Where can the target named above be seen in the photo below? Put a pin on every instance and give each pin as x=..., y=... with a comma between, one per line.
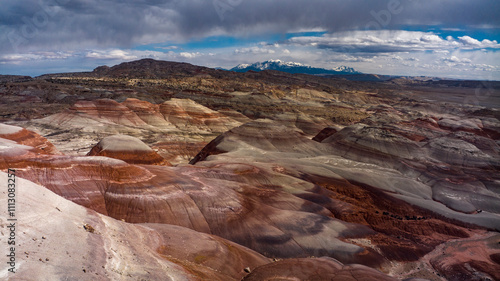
x=293, y=67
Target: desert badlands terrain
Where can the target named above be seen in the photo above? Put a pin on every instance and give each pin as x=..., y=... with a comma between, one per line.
x=153, y=170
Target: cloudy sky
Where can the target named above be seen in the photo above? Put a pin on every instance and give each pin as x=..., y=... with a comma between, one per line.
x=445, y=38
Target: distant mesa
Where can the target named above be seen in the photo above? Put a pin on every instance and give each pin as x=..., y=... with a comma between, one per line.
x=139, y=69
x=294, y=68
x=151, y=69
x=129, y=149
x=14, y=78
x=102, y=69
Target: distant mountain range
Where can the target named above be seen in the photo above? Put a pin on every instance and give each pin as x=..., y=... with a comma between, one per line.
x=294, y=67
x=157, y=69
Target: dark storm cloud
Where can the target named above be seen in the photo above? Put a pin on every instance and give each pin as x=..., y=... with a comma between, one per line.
x=31, y=25
x=66, y=24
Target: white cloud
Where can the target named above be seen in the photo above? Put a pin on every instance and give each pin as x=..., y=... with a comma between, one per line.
x=168, y=48
x=469, y=41
x=34, y=56
x=431, y=38
x=189, y=55
x=452, y=29
x=441, y=52
x=256, y=50
x=110, y=54
x=392, y=41
x=352, y=58
x=486, y=67
x=454, y=59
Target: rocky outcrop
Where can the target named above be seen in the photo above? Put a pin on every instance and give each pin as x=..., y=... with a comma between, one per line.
x=188, y=115
x=262, y=135
x=148, y=112
x=469, y=259
x=380, y=146
x=128, y=149
x=457, y=167
x=22, y=136
x=102, y=110
x=325, y=133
